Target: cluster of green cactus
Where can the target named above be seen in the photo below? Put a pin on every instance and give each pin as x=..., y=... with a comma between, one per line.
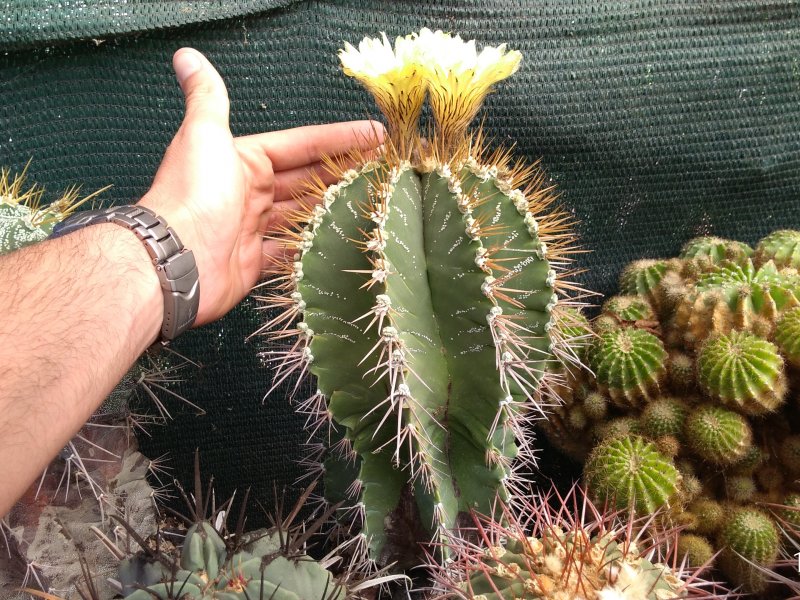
x=207, y=568
x=566, y=548
x=422, y=293
x=687, y=408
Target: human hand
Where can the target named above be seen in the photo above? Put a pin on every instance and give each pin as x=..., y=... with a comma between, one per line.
x=221, y=194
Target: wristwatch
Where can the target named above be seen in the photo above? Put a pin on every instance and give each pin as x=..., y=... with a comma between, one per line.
x=174, y=264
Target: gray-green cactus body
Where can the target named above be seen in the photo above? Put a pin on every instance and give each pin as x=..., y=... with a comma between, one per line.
x=426, y=301
x=206, y=570
x=20, y=225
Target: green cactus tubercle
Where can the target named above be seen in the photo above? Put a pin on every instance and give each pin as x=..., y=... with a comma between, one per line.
x=426, y=286
x=631, y=472
x=206, y=571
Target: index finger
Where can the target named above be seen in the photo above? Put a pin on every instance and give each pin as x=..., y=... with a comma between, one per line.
x=303, y=146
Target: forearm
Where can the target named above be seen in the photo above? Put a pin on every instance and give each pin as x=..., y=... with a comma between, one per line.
x=77, y=312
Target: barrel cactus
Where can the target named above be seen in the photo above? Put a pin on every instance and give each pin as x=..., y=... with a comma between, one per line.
x=422, y=292
x=629, y=308
x=566, y=548
x=782, y=247
x=631, y=473
x=643, y=277
x=749, y=539
x=629, y=364
x=743, y=372
x=737, y=296
x=709, y=250
x=718, y=435
x=206, y=569
x=787, y=335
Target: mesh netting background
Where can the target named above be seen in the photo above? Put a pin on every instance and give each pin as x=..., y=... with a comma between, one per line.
x=658, y=121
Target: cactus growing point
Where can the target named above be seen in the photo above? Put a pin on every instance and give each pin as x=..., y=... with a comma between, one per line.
x=428, y=284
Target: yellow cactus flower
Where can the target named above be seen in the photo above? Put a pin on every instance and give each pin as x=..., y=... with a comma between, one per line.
x=459, y=77
x=396, y=80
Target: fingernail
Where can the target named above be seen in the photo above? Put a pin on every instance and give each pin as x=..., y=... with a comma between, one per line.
x=186, y=64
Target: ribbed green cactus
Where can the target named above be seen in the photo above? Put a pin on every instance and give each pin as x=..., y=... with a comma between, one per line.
x=629, y=308
x=642, y=278
x=736, y=296
x=663, y=416
x=718, y=435
x=743, y=372
x=709, y=250
x=630, y=472
x=697, y=549
x=748, y=535
x=426, y=285
x=787, y=335
x=629, y=364
x=264, y=570
x=782, y=247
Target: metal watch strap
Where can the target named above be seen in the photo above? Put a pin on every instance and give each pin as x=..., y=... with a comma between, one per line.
x=174, y=264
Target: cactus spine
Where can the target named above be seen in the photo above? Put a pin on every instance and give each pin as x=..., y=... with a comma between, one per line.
x=426, y=284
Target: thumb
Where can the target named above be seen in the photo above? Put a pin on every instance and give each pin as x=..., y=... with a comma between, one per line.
x=206, y=96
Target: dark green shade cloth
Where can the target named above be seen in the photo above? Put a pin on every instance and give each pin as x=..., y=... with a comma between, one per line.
x=657, y=120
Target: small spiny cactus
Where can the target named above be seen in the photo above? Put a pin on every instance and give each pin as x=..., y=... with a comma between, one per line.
x=663, y=416
x=748, y=535
x=787, y=335
x=718, y=435
x=734, y=296
x=743, y=372
x=629, y=365
x=24, y=219
x=631, y=472
x=708, y=251
x=697, y=549
x=782, y=247
x=629, y=308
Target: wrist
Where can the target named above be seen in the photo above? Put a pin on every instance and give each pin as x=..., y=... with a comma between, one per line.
x=124, y=254
x=174, y=265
